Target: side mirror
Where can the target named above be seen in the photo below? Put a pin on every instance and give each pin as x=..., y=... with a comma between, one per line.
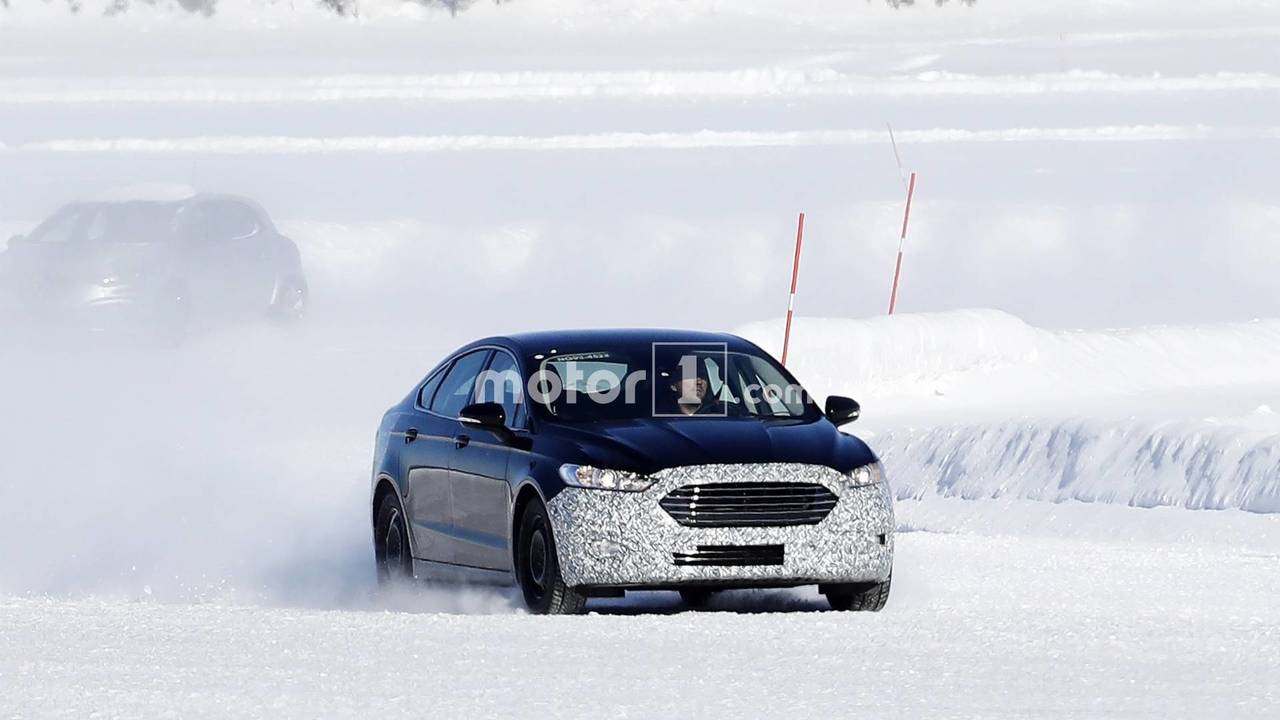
x=488, y=415
x=17, y=241
x=842, y=410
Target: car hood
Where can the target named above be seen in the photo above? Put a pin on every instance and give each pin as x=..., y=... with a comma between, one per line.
x=650, y=445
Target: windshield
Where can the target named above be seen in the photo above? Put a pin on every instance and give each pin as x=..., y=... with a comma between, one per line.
x=684, y=381
x=134, y=222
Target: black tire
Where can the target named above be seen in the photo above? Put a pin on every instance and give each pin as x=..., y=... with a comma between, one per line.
x=391, y=545
x=289, y=300
x=860, y=597
x=696, y=597
x=538, y=568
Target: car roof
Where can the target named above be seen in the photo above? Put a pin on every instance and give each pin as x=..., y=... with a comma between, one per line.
x=145, y=192
x=585, y=340
x=263, y=217
x=174, y=202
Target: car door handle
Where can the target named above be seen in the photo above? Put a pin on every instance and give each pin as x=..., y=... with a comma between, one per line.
x=410, y=435
x=462, y=441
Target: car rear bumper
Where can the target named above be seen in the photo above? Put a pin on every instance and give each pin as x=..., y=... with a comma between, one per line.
x=623, y=539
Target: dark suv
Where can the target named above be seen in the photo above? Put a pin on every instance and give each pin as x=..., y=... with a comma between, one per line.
x=151, y=266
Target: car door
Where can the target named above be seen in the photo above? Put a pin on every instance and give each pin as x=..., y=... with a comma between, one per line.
x=228, y=268
x=428, y=437
x=434, y=510
x=478, y=473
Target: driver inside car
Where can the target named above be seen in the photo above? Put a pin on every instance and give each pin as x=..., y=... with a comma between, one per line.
x=688, y=395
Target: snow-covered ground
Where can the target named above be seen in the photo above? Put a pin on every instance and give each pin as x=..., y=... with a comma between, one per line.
x=982, y=626
x=1089, y=516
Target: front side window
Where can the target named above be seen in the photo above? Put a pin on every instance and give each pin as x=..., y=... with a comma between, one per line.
x=455, y=391
x=131, y=222
x=58, y=229
x=135, y=222
x=503, y=384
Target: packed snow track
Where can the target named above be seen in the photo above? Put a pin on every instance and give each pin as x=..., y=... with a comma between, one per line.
x=978, y=627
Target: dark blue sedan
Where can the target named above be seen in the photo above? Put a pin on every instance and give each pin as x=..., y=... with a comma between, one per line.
x=584, y=464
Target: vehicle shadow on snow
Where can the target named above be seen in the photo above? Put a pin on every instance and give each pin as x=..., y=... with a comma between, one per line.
x=475, y=600
x=733, y=601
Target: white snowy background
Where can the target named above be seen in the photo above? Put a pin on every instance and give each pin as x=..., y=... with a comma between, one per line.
x=1077, y=407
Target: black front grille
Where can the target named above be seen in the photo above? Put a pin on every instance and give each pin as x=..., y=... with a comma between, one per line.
x=749, y=504
x=731, y=555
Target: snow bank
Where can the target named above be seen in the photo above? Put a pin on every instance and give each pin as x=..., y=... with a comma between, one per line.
x=976, y=350
x=978, y=404
x=893, y=355
x=1134, y=463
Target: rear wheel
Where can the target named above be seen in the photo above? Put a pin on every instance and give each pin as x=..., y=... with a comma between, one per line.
x=859, y=597
x=391, y=544
x=288, y=300
x=538, y=569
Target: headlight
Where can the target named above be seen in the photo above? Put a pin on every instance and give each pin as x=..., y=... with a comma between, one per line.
x=867, y=475
x=585, y=476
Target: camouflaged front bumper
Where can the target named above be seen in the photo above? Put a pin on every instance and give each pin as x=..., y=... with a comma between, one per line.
x=626, y=539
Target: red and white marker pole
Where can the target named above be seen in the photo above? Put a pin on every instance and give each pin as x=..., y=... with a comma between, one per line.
x=791, y=300
x=902, y=241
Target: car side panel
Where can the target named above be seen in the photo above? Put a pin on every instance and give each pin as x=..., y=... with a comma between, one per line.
x=481, y=497
x=424, y=465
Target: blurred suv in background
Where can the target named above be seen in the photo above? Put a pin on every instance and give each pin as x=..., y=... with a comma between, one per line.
x=151, y=267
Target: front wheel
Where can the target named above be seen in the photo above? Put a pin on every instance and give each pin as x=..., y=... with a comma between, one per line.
x=859, y=597
x=538, y=568
x=289, y=300
x=391, y=545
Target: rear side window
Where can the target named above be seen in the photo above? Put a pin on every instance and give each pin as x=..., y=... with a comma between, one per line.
x=219, y=221
x=455, y=389
x=235, y=221
x=429, y=390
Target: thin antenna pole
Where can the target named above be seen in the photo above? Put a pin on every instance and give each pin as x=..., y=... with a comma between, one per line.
x=901, y=174
x=902, y=241
x=791, y=300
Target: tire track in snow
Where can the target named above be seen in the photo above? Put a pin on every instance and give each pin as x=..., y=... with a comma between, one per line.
x=705, y=139
x=636, y=85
